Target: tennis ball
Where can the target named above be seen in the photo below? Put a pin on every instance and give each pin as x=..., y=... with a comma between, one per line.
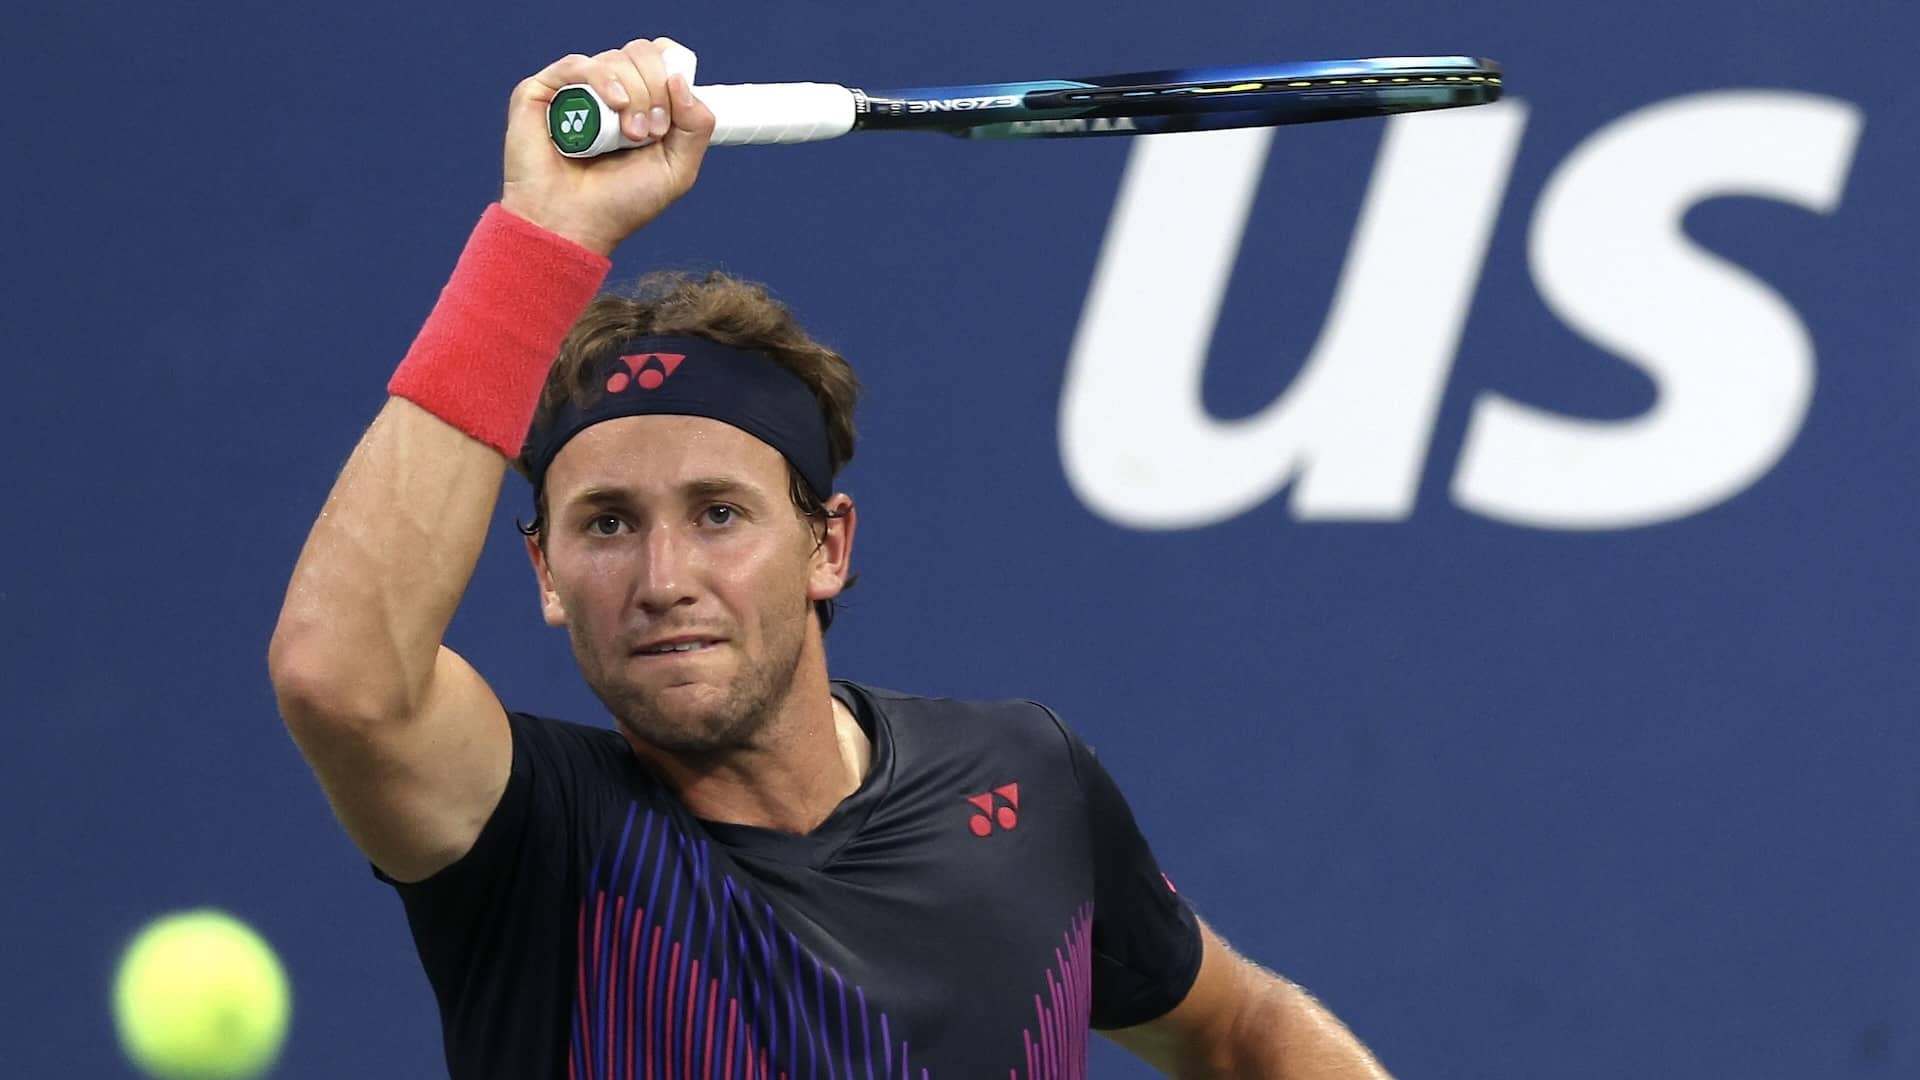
x=200, y=996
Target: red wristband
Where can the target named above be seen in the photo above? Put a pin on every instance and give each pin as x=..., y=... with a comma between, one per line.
x=482, y=358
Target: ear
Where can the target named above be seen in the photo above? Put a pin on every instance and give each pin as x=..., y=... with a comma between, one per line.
x=833, y=556
x=550, y=606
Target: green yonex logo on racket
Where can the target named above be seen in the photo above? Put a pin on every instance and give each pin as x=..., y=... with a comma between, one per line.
x=573, y=120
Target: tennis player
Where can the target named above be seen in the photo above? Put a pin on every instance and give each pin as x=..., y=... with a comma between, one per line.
x=760, y=872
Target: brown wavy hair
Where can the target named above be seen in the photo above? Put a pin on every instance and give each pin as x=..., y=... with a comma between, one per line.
x=721, y=308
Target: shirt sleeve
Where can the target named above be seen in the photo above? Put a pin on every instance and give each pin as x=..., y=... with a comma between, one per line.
x=1146, y=940
x=491, y=918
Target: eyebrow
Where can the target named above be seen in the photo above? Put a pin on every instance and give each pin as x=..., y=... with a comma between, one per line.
x=706, y=487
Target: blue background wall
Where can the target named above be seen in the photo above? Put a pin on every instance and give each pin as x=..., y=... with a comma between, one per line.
x=1515, y=800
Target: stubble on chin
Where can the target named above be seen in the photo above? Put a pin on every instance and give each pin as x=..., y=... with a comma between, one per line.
x=694, y=730
x=728, y=717
x=696, y=726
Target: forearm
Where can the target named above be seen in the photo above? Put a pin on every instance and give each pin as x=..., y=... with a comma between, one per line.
x=385, y=565
x=398, y=539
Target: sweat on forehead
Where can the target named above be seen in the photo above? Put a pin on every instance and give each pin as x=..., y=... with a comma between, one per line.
x=688, y=375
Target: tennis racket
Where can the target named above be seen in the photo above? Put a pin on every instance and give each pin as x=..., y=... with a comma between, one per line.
x=1189, y=99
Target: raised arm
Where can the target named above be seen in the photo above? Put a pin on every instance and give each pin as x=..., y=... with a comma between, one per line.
x=409, y=743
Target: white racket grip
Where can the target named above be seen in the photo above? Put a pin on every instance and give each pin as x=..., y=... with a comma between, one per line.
x=744, y=114
x=747, y=114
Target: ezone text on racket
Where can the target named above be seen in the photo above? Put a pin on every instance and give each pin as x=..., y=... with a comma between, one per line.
x=963, y=104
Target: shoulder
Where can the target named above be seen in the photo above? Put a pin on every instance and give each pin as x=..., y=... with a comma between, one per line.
x=542, y=743
x=563, y=732
x=964, y=727
x=998, y=714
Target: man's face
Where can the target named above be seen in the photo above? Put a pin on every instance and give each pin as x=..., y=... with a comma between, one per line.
x=678, y=531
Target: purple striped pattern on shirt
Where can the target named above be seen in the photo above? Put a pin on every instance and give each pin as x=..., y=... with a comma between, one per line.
x=692, y=986
x=1059, y=1050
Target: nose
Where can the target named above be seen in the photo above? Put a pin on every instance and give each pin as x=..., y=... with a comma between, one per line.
x=667, y=571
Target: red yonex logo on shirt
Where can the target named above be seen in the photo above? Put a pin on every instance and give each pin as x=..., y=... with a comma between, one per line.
x=986, y=815
x=648, y=370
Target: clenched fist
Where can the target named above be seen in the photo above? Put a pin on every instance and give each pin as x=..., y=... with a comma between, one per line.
x=598, y=202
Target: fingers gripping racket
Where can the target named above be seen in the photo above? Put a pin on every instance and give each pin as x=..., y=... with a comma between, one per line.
x=1189, y=99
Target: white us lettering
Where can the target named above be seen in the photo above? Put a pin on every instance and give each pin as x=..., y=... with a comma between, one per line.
x=1733, y=363
x=1352, y=432
x=1353, y=427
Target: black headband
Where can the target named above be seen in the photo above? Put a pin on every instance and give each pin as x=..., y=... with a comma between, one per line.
x=685, y=375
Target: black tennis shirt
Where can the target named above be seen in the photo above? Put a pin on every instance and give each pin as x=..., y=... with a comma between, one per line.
x=981, y=901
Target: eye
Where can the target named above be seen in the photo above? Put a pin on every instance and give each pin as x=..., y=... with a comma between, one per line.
x=719, y=514
x=604, y=525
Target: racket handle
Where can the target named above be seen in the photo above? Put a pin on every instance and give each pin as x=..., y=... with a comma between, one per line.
x=747, y=114
x=582, y=125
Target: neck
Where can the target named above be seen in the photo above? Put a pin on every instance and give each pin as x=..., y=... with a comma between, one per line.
x=813, y=754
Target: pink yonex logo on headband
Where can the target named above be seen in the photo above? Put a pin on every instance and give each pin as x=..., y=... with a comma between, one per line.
x=649, y=370
x=747, y=389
